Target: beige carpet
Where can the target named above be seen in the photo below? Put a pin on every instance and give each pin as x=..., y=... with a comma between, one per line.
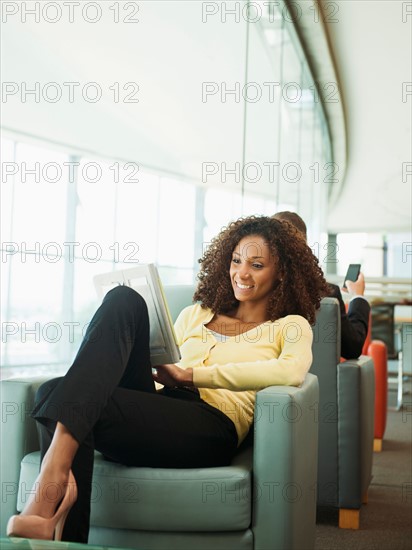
x=386, y=521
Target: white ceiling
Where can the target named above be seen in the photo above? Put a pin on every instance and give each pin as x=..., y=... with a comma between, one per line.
x=372, y=49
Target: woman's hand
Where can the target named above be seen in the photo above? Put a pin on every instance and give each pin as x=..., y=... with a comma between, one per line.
x=172, y=375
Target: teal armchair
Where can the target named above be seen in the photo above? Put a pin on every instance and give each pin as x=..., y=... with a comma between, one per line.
x=266, y=499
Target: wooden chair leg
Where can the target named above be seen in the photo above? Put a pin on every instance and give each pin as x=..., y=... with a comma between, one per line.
x=377, y=445
x=348, y=518
x=365, y=498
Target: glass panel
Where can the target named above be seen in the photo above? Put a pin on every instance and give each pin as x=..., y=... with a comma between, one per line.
x=33, y=276
x=177, y=276
x=291, y=127
x=35, y=314
x=7, y=183
x=40, y=194
x=262, y=103
x=137, y=220
x=399, y=255
x=96, y=192
x=285, y=137
x=220, y=208
x=176, y=224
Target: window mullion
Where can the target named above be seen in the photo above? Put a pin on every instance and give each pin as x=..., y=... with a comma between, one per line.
x=69, y=261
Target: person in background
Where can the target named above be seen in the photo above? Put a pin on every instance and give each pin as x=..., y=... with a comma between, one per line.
x=354, y=324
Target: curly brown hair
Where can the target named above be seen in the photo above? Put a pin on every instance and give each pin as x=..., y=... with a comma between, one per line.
x=301, y=285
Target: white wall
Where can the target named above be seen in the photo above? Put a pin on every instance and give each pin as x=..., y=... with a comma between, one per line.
x=372, y=47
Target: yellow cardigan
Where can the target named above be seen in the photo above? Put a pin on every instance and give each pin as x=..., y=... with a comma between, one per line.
x=228, y=374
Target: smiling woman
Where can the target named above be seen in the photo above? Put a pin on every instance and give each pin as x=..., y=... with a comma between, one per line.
x=260, y=261
x=251, y=290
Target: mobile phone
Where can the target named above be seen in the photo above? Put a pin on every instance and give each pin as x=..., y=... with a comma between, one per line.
x=352, y=274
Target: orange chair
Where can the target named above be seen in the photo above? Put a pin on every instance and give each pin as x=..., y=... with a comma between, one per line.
x=379, y=353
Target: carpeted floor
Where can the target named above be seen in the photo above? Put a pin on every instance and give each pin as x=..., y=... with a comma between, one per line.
x=386, y=521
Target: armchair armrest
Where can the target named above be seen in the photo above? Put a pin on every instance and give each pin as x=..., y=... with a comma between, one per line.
x=17, y=438
x=356, y=403
x=285, y=466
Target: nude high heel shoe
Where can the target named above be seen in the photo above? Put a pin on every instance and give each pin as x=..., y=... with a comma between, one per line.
x=37, y=527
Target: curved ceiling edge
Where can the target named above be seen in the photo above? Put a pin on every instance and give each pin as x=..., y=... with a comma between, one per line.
x=310, y=27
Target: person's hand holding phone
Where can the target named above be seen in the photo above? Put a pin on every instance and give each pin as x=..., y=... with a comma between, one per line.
x=357, y=288
x=352, y=274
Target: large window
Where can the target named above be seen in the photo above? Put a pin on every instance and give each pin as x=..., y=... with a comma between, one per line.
x=227, y=123
x=65, y=220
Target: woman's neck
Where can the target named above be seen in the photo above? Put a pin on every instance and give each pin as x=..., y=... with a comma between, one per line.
x=250, y=313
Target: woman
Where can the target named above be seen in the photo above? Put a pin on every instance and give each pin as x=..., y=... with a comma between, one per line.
x=259, y=288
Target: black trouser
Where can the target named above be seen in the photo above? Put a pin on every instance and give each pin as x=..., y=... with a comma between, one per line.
x=108, y=401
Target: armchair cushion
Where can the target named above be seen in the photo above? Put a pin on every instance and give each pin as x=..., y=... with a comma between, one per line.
x=159, y=499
